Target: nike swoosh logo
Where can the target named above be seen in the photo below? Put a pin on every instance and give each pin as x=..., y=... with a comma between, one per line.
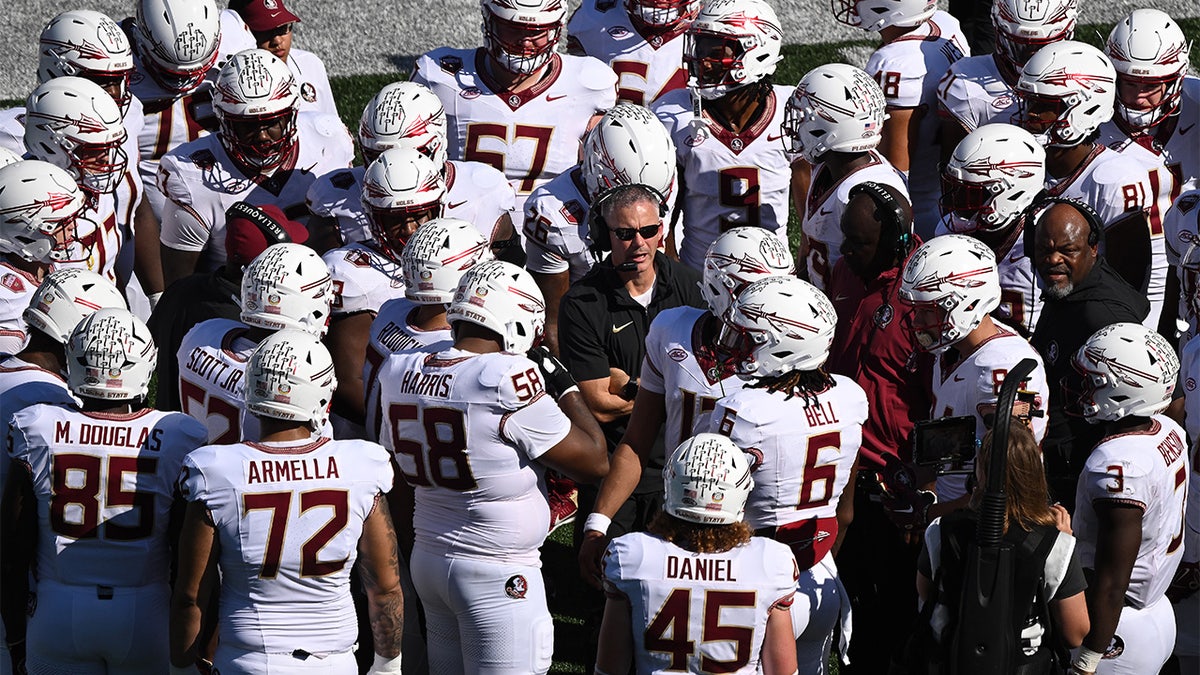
x=1015, y=258
x=826, y=212
x=907, y=509
x=618, y=329
x=839, y=298
x=1186, y=129
x=774, y=138
x=959, y=379
x=455, y=205
x=551, y=99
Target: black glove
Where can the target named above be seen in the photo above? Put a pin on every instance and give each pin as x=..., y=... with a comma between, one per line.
x=557, y=378
x=904, y=502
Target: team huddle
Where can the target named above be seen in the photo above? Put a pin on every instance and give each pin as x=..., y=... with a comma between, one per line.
x=269, y=412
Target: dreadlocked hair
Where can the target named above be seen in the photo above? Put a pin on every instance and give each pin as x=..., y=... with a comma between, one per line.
x=699, y=537
x=807, y=384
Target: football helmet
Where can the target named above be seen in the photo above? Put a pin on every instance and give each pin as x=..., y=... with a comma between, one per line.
x=994, y=174
x=521, y=35
x=1149, y=48
x=834, y=108
x=1065, y=92
x=436, y=256
x=401, y=189
x=502, y=298
x=778, y=325
x=404, y=114
x=732, y=43
x=75, y=125
x=39, y=204
x=1025, y=26
x=1127, y=369
x=111, y=356
x=290, y=377
x=875, y=15
x=736, y=259
x=629, y=146
x=8, y=157
x=87, y=44
x=287, y=286
x=256, y=99
x=707, y=480
x=177, y=41
x=68, y=296
x=664, y=14
x=955, y=277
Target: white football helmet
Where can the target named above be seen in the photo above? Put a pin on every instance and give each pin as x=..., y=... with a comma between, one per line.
x=875, y=15
x=8, y=157
x=664, y=14
x=955, y=276
x=437, y=255
x=1148, y=47
x=253, y=90
x=834, y=108
x=993, y=175
x=287, y=286
x=87, y=44
x=400, y=187
x=177, y=41
x=75, y=125
x=502, y=298
x=521, y=35
x=68, y=296
x=748, y=33
x=1066, y=91
x=1025, y=26
x=39, y=204
x=736, y=259
x=1127, y=369
x=404, y=114
x=111, y=356
x=290, y=377
x=629, y=146
x=707, y=480
x=778, y=325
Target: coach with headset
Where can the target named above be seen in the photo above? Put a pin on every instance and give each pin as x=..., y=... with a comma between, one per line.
x=1082, y=294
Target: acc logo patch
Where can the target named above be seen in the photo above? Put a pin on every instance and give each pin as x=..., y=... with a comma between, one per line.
x=678, y=354
x=618, y=31
x=470, y=92
x=516, y=587
x=12, y=282
x=1002, y=101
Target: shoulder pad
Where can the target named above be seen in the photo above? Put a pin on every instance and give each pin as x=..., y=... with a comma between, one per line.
x=342, y=179
x=510, y=375
x=327, y=125
x=594, y=74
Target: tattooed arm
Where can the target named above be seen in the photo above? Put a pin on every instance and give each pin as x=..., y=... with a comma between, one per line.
x=379, y=567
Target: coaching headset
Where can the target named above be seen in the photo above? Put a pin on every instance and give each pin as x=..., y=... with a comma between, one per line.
x=890, y=211
x=598, y=227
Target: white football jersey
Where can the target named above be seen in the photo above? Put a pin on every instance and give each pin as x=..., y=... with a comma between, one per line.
x=825, y=203
x=970, y=387
x=309, y=71
x=337, y=195
x=729, y=179
x=1181, y=232
x=288, y=519
x=16, y=288
x=671, y=590
x=12, y=130
x=1148, y=470
x=467, y=430
x=685, y=372
x=392, y=332
x=1117, y=185
x=102, y=230
x=478, y=194
x=104, y=483
x=1180, y=149
x=908, y=70
x=556, y=227
x=974, y=93
x=1020, y=286
x=201, y=182
x=23, y=384
x=648, y=64
x=212, y=370
x=531, y=136
x=797, y=483
x=363, y=278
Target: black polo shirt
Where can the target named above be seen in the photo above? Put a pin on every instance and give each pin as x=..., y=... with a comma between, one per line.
x=601, y=326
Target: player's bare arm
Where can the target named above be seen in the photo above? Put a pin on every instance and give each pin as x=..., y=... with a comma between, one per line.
x=602, y=396
x=581, y=455
x=554, y=287
x=194, y=583
x=379, y=567
x=899, y=136
x=348, y=337
x=779, y=646
x=614, y=652
x=147, y=258
x=1120, y=535
x=845, y=508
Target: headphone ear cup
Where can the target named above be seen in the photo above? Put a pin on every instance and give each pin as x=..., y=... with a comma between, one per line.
x=598, y=229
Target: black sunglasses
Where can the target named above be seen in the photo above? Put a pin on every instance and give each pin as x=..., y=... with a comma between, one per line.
x=628, y=233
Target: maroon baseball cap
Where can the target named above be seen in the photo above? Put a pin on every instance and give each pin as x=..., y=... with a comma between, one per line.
x=265, y=15
x=249, y=230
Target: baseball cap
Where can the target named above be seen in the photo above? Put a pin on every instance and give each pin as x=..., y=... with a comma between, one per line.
x=264, y=15
x=249, y=230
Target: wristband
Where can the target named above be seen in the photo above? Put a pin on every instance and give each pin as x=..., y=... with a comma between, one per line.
x=597, y=522
x=1086, y=661
x=385, y=666
x=572, y=388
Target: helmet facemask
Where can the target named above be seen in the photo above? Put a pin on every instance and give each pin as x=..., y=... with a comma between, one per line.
x=263, y=142
x=520, y=48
